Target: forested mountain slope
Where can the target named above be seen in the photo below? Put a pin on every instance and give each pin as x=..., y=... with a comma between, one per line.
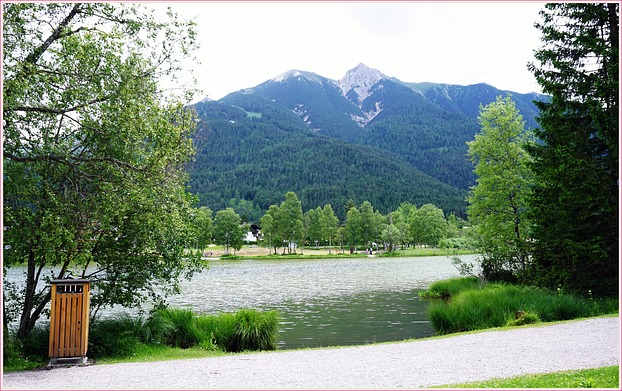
x=241, y=155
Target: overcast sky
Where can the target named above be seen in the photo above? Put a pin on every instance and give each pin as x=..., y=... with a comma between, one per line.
x=246, y=43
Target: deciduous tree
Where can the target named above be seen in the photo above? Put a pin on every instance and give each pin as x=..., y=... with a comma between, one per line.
x=229, y=230
x=204, y=227
x=289, y=220
x=93, y=154
x=498, y=203
x=329, y=223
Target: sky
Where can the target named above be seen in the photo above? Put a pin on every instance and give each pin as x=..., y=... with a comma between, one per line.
x=244, y=44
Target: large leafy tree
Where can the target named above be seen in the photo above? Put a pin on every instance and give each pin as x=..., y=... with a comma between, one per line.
x=229, y=230
x=290, y=220
x=370, y=224
x=269, y=229
x=353, y=228
x=93, y=154
x=498, y=203
x=313, y=227
x=204, y=225
x=576, y=201
x=330, y=224
x=428, y=225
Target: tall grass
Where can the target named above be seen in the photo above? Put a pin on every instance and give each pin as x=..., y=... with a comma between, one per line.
x=451, y=287
x=496, y=305
x=255, y=330
x=175, y=327
x=246, y=330
x=125, y=336
x=233, y=332
x=219, y=329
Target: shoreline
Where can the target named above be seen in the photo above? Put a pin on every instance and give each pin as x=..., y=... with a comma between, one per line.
x=579, y=344
x=260, y=253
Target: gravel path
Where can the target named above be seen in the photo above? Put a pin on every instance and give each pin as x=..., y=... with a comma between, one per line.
x=574, y=345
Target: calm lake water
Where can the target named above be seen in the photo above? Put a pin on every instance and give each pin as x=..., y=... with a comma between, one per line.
x=322, y=302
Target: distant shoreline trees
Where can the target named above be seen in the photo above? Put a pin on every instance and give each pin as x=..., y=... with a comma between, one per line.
x=286, y=226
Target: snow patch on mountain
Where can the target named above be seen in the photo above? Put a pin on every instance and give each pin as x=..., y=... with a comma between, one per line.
x=297, y=74
x=300, y=111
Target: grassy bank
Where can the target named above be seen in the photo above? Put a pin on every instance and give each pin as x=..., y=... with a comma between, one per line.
x=167, y=334
x=606, y=377
x=467, y=304
x=427, y=252
x=254, y=252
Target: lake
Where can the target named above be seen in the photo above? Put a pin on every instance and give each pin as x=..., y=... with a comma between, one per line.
x=322, y=302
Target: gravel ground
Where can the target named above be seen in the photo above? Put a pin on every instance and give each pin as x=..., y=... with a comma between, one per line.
x=472, y=357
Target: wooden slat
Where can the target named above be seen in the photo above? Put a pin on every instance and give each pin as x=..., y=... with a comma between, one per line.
x=52, y=352
x=86, y=295
x=63, y=324
x=73, y=329
x=78, y=320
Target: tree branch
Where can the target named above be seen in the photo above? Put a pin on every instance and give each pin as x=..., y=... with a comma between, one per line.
x=56, y=34
x=49, y=110
x=69, y=160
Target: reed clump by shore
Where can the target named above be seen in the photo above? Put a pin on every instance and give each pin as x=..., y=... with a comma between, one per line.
x=466, y=304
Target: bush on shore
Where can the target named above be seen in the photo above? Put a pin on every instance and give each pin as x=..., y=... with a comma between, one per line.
x=470, y=305
x=124, y=335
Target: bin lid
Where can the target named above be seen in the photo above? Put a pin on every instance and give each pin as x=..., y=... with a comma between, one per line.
x=71, y=281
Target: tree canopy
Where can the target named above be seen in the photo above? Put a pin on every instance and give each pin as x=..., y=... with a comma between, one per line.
x=94, y=153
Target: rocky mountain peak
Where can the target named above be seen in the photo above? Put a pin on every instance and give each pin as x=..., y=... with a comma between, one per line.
x=360, y=79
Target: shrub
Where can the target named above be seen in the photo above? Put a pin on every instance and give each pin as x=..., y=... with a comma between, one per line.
x=245, y=330
x=37, y=342
x=177, y=327
x=218, y=328
x=255, y=330
x=116, y=337
x=15, y=359
x=523, y=318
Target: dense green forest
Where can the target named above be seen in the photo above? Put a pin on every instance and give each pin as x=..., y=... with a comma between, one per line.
x=241, y=156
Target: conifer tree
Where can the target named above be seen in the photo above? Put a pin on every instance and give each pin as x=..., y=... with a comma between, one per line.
x=576, y=202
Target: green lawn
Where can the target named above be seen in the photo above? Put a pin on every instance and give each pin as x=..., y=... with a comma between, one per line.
x=605, y=377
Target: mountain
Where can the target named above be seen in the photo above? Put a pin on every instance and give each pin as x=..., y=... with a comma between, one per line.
x=466, y=99
x=318, y=101
x=367, y=135
x=253, y=158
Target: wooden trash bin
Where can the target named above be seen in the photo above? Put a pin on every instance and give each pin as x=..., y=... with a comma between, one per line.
x=69, y=321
